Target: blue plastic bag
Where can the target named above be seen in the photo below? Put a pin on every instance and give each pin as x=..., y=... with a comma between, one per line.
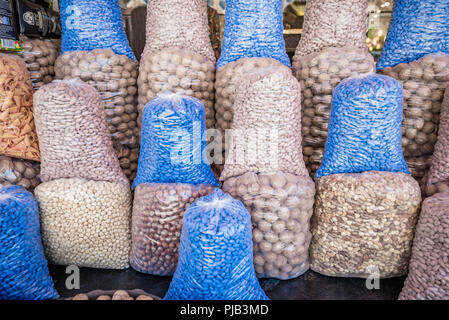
x=253, y=28
x=93, y=24
x=23, y=269
x=365, y=127
x=418, y=28
x=216, y=253
x=173, y=146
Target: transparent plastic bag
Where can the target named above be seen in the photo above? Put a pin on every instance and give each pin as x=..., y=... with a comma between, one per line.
x=365, y=127
x=73, y=133
x=93, y=24
x=319, y=74
x=173, y=145
x=180, y=24
x=333, y=23
x=253, y=29
x=216, y=253
x=23, y=269
x=180, y=71
x=39, y=56
x=363, y=224
x=281, y=205
x=86, y=223
x=156, y=224
x=266, y=129
x=17, y=129
x=19, y=172
x=418, y=167
x=417, y=28
x=424, y=81
x=428, y=278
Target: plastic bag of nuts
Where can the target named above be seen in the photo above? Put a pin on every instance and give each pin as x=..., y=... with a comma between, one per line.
x=188, y=28
x=156, y=224
x=23, y=268
x=215, y=256
x=363, y=224
x=115, y=78
x=319, y=74
x=19, y=172
x=266, y=134
x=281, y=205
x=365, y=127
x=227, y=80
x=333, y=23
x=39, y=56
x=437, y=179
x=86, y=223
x=172, y=146
x=73, y=133
x=411, y=36
x=429, y=265
x=253, y=28
x=178, y=70
x=17, y=129
x=424, y=82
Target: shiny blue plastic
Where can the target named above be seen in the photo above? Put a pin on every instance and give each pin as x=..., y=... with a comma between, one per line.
x=418, y=28
x=93, y=24
x=253, y=29
x=365, y=127
x=216, y=253
x=23, y=268
x=173, y=142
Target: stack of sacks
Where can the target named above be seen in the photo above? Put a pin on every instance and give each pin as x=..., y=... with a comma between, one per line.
x=253, y=39
x=367, y=204
x=332, y=48
x=266, y=171
x=418, y=56
x=39, y=56
x=171, y=175
x=19, y=147
x=23, y=268
x=429, y=265
x=97, y=51
x=85, y=199
x=215, y=259
x=178, y=55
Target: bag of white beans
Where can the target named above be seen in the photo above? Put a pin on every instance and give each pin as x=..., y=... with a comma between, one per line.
x=74, y=138
x=156, y=224
x=333, y=23
x=266, y=130
x=86, y=223
x=429, y=266
x=281, y=205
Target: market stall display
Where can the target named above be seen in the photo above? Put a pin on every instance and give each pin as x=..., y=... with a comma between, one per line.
x=332, y=23
x=365, y=127
x=363, y=224
x=429, y=265
x=23, y=269
x=437, y=179
x=40, y=56
x=424, y=81
x=73, y=133
x=215, y=256
x=156, y=224
x=86, y=223
x=19, y=172
x=417, y=28
x=178, y=56
x=17, y=129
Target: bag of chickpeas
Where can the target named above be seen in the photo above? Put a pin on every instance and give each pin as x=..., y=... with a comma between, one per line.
x=156, y=224
x=17, y=130
x=333, y=23
x=319, y=74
